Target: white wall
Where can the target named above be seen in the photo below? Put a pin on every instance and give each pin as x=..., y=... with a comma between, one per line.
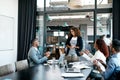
x=9, y=8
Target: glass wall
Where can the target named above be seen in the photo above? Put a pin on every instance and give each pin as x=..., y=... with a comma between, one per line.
x=62, y=13
x=104, y=26
x=40, y=31
x=58, y=26
x=104, y=3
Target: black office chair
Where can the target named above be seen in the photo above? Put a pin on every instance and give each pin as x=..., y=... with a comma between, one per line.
x=118, y=75
x=115, y=76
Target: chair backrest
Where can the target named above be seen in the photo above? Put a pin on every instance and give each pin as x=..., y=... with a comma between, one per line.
x=20, y=65
x=115, y=76
x=7, y=69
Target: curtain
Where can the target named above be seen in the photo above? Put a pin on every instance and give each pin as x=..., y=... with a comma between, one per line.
x=116, y=19
x=26, y=26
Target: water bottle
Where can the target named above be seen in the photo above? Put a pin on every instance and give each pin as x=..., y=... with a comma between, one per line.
x=65, y=64
x=53, y=63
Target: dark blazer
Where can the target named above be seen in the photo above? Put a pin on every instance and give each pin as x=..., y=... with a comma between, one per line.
x=79, y=43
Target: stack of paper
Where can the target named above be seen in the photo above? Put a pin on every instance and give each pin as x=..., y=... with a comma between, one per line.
x=80, y=66
x=72, y=75
x=51, y=61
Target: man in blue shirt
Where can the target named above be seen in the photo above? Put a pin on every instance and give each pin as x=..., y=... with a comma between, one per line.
x=113, y=65
x=34, y=55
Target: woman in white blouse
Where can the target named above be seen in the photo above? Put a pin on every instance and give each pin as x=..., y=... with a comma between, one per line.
x=101, y=52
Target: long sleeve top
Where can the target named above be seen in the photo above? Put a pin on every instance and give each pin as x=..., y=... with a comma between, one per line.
x=79, y=43
x=112, y=66
x=35, y=57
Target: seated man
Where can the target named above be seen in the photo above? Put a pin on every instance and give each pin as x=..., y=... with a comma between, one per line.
x=113, y=65
x=34, y=55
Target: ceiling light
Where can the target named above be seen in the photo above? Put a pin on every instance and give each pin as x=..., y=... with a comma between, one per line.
x=67, y=17
x=58, y=2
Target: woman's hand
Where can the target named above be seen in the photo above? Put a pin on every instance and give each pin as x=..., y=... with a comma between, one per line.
x=72, y=47
x=77, y=47
x=81, y=53
x=61, y=51
x=95, y=62
x=86, y=51
x=102, y=63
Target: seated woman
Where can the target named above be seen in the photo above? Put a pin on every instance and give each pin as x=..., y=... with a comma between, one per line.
x=100, y=57
x=113, y=65
x=101, y=53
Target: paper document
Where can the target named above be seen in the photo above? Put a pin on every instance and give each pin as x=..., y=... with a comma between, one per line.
x=73, y=70
x=80, y=66
x=72, y=75
x=101, y=66
x=86, y=57
x=52, y=61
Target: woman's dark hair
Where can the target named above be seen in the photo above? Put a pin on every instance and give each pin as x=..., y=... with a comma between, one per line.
x=76, y=30
x=102, y=47
x=116, y=45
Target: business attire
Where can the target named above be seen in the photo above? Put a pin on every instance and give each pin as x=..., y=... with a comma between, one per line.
x=35, y=57
x=112, y=67
x=74, y=52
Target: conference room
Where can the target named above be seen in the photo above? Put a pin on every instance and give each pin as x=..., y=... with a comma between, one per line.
x=51, y=22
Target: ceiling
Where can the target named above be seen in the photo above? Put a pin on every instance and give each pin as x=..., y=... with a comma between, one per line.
x=75, y=17
x=88, y=19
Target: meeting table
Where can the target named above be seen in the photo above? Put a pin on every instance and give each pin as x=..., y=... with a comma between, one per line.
x=45, y=72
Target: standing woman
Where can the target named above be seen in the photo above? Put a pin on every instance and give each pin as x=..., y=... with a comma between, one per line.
x=74, y=44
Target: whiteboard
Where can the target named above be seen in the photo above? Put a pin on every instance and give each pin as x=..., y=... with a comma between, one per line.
x=6, y=32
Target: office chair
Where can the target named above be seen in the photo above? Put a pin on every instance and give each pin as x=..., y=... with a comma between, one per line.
x=7, y=69
x=20, y=65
